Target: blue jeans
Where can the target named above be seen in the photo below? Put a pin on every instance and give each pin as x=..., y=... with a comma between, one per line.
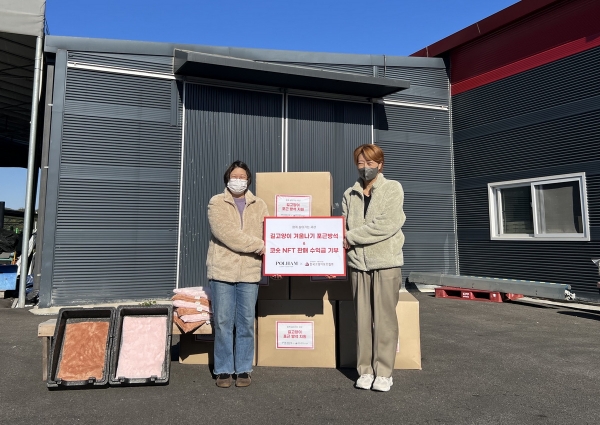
x=234, y=306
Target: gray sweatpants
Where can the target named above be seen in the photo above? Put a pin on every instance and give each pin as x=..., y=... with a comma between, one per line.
x=375, y=301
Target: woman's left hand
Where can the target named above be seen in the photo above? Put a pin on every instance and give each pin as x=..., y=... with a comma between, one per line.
x=276, y=277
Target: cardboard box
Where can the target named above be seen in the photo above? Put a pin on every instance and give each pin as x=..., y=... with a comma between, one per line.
x=303, y=288
x=296, y=333
x=317, y=185
x=408, y=355
x=274, y=289
x=196, y=349
x=199, y=349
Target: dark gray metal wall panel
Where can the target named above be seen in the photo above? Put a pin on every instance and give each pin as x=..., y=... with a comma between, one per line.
x=352, y=69
x=52, y=183
x=567, y=80
x=427, y=85
x=118, y=89
x=527, y=126
x=118, y=192
x=54, y=43
x=412, y=120
x=423, y=95
x=417, y=145
x=221, y=125
x=541, y=145
x=322, y=135
x=148, y=63
x=436, y=78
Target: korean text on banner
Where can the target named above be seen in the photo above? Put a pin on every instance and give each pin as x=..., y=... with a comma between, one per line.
x=295, y=335
x=312, y=246
x=293, y=205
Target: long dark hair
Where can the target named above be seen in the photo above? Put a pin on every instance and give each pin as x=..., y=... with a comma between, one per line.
x=233, y=166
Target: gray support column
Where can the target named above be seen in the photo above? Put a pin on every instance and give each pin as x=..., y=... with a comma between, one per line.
x=29, y=202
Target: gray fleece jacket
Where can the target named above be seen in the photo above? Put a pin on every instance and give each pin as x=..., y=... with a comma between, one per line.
x=376, y=239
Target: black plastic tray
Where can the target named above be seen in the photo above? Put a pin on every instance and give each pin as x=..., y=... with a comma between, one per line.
x=71, y=315
x=157, y=310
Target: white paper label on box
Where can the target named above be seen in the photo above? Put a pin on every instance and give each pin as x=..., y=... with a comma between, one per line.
x=310, y=246
x=295, y=335
x=293, y=205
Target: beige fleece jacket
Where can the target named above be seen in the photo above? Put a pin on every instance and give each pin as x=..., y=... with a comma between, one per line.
x=233, y=249
x=376, y=239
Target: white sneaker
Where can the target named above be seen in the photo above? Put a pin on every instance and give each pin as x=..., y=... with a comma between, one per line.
x=383, y=384
x=365, y=381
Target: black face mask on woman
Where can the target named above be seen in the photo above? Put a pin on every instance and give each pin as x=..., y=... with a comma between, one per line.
x=368, y=174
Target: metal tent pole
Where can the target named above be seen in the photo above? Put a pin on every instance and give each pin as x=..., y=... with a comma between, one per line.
x=35, y=101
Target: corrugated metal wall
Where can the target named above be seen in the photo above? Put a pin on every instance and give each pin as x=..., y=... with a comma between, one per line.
x=117, y=208
x=116, y=157
x=542, y=122
x=221, y=126
x=418, y=149
x=352, y=69
x=322, y=134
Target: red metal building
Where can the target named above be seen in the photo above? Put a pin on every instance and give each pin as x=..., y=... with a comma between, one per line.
x=525, y=85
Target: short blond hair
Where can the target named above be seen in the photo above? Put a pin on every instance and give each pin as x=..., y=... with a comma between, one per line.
x=370, y=152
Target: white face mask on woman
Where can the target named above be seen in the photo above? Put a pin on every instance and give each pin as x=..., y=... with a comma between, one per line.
x=237, y=186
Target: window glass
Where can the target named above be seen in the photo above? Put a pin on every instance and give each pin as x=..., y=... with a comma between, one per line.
x=559, y=208
x=517, y=215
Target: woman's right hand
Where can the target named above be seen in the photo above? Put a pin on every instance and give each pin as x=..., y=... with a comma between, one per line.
x=346, y=244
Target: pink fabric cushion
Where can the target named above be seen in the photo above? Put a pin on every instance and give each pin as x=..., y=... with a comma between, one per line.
x=196, y=291
x=143, y=343
x=190, y=318
x=186, y=304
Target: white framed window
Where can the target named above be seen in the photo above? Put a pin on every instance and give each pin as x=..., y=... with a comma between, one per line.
x=546, y=208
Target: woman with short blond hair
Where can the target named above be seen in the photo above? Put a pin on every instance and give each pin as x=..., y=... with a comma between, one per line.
x=373, y=208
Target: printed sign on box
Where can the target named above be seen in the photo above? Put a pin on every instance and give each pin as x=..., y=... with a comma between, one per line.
x=293, y=205
x=311, y=246
x=295, y=335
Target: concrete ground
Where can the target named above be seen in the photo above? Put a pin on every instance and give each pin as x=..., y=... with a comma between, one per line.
x=483, y=363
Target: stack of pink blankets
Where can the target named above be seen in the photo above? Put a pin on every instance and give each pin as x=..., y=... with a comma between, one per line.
x=192, y=308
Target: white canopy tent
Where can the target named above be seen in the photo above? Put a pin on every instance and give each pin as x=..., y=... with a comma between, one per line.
x=22, y=28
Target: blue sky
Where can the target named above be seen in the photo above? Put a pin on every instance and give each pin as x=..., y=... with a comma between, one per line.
x=388, y=27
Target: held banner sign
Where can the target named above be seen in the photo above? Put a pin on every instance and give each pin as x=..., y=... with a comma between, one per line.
x=311, y=246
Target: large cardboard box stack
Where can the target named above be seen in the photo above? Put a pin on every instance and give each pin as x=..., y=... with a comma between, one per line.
x=319, y=186
x=296, y=333
x=408, y=355
x=299, y=332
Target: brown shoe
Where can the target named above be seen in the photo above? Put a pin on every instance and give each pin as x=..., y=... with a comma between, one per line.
x=243, y=380
x=224, y=380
